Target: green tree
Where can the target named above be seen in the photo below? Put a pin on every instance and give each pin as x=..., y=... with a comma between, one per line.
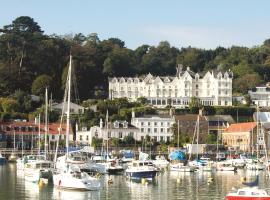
x=40, y=84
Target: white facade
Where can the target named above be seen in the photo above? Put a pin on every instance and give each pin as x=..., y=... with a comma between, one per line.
x=74, y=108
x=212, y=88
x=260, y=96
x=157, y=127
x=118, y=129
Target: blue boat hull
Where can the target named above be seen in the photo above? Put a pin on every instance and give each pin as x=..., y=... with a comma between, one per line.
x=140, y=175
x=3, y=161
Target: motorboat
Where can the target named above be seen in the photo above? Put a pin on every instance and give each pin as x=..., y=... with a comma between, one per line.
x=41, y=169
x=3, y=160
x=28, y=159
x=73, y=179
x=160, y=162
x=128, y=156
x=141, y=169
x=255, y=166
x=180, y=167
x=248, y=193
x=225, y=166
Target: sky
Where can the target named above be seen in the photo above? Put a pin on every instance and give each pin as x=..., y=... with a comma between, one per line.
x=203, y=24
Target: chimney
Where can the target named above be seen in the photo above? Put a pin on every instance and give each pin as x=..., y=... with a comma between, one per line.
x=101, y=123
x=133, y=113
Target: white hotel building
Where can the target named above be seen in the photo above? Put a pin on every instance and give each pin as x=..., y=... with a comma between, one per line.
x=212, y=88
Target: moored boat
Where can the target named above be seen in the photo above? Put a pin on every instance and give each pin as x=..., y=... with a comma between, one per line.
x=180, y=167
x=141, y=169
x=3, y=160
x=248, y=193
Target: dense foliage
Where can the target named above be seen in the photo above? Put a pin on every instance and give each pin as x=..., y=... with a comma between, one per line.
x=30, y=59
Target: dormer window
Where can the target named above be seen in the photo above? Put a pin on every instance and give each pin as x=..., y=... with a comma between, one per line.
x=116, y=124
x=125, y=124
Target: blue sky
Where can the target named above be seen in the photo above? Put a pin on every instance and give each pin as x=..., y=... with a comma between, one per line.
x=199, y=23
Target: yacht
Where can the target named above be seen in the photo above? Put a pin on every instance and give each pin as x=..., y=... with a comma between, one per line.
x=248, y=193
x=180, y=167
x=160, y=162
x=73, y=179
x=141, y=169
x=40, y=169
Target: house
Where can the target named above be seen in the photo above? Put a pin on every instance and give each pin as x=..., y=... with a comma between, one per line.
x=242, y=136
x=260, y=96
x=211, y=88
x=74, y=108
x=218, y=123
x=27, y=133
x=158, y=127
x=187, y=124
x=118, y=129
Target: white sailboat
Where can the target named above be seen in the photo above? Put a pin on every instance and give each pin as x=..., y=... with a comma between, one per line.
x=256, y=164
x=72, y=177
x=13, y=156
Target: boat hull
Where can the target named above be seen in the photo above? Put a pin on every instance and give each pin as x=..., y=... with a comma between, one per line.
x=66, y=182
x=3, y=161
x=141, y=174
x=246, y=198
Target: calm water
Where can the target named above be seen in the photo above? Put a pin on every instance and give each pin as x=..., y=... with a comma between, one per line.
x=168, y=185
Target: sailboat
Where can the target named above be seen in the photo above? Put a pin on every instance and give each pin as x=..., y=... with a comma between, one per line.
x=40, y=169
x=256, y=164
x=13, y=156
x=201, y=164
x=71, y=177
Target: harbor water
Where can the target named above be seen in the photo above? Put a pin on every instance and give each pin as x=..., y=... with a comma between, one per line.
x=167, y=185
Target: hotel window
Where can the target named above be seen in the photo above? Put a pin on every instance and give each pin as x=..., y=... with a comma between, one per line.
x=87, y=138
x=142, y=130
x=149, y=123
x=161, y=138
x=197, y=86
x=161, y=130
x=155, y=123
x=120, y=134
x=168, y=130
x=155, y=130
x=149, y=130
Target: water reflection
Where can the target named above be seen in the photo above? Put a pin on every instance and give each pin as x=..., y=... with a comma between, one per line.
x=168, y=185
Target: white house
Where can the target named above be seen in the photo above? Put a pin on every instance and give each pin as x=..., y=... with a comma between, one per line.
x=212, y=88
x=158, y=127
x=117, y=129
x=74, y=108
x=260, y=96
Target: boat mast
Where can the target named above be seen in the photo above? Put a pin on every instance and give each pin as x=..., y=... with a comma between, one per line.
x=257, y=132
x=198, y=131
x=68, y=106
x=107, y=120
x=38, y=134
x=14, y=141
x=218, y=140
x=178, y=134
x=46, y=121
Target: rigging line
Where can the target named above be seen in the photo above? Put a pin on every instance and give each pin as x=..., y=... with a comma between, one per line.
x=61, y=120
